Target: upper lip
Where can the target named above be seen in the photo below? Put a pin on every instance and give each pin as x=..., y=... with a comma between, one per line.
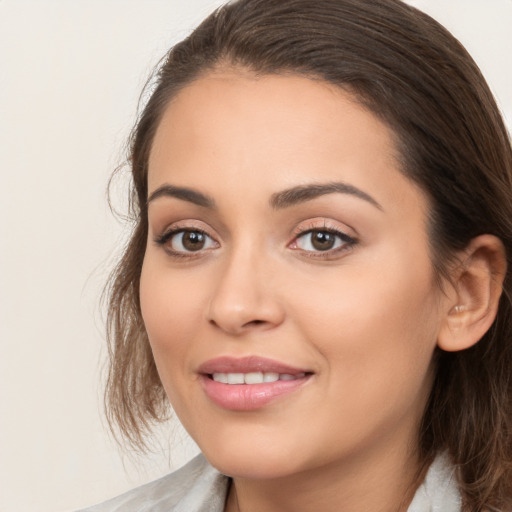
x=247, y=364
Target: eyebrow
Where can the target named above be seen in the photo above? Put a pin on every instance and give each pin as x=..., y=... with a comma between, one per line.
x=279, y=200
x=303, y=193
x=183, y=193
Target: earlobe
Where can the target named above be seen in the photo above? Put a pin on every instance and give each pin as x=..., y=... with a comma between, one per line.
x=477, y=285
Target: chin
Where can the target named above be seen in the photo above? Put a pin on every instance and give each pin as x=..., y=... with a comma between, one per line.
x=253, y=461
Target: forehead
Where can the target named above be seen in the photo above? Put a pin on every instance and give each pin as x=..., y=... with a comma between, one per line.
x=271, y=109
x=245, y=133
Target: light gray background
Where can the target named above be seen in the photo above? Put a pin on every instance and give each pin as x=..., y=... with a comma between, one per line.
x=70, y=75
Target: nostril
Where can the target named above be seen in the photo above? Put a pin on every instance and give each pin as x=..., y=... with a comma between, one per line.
x=255, y=322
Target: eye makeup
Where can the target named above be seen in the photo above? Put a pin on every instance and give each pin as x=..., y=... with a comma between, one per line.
x=318, y=239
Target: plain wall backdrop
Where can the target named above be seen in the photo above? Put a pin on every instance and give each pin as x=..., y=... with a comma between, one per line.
x=70, y=75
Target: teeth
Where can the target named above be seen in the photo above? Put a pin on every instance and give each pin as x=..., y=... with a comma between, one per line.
x=253, y=377
x=235, y=378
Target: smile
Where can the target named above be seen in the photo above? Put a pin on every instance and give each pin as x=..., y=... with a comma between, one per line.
x=245, y=384
x=254, y=377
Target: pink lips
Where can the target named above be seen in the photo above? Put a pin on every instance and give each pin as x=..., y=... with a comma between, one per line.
x=246, y=397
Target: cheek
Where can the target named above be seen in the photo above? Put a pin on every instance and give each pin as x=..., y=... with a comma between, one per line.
x=376, y=327
x=366, y=299
x=171, y=311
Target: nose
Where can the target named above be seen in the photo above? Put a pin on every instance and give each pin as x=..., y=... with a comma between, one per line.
x=244, y=298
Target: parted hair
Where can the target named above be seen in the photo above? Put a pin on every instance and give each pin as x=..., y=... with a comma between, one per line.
x=416, y=77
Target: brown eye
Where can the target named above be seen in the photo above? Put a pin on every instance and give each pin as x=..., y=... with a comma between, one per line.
x=193, y=240
x=318, y=240
x=190, y=241
x=322, y=240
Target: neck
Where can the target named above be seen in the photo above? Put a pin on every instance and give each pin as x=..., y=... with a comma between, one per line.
x=365, y=483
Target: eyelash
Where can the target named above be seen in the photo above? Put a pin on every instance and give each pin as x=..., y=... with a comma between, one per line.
x=166, y=237
x=347, y=241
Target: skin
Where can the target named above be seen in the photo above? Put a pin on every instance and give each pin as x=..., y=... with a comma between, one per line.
x=364, y=318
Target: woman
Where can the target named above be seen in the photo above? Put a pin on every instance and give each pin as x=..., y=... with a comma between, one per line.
x=318, y=277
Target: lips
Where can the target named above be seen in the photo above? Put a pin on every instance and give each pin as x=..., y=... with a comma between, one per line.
x=252, y=378
x=244, y=384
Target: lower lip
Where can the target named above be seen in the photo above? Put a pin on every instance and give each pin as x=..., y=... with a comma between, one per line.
x=247, y=397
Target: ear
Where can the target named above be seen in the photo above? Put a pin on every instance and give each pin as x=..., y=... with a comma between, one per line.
x=472, y=303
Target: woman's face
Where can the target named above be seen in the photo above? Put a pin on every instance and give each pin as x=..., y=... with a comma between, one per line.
x=288, y=256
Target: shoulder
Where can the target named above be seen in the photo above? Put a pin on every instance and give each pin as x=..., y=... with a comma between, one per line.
x=196, y=487
x=439, y=492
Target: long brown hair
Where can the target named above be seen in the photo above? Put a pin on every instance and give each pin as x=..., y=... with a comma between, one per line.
x=414, y=75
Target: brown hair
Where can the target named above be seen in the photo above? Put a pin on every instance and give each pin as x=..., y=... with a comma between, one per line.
x=413, y=74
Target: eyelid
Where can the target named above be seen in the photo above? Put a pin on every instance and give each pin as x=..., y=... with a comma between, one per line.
x=170, y=233
x=323, y=225
x=302, y=230
x=167, y=235
x=183, y=225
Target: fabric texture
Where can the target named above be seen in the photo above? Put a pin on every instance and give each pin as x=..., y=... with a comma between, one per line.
x=197, y=487
x=439, y=491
